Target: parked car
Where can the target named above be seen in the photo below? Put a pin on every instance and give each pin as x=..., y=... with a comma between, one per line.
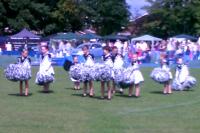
x=94, y=48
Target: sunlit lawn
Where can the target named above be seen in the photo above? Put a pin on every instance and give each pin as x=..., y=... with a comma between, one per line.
x=65, y=110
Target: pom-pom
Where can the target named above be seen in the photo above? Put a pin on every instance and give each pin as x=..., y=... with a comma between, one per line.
x=103, y=72
x=82, y=72
x=159, y=75
x=9, y=72
x=190, y=82
x=17, y=72
x=75, y=71
x=118, y=75
x=187, y=84
x=43, y=78
x=126, y=77
x=177, y=86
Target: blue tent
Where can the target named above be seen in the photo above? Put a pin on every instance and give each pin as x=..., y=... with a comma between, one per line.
x=24, y=37
x=25, y=34
x=66, y=36
x=115, y=37
x=185, y=36
x=90, y=36
x=47, y=38
x=146, y=38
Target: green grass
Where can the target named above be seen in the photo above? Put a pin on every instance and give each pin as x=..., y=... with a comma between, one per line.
x=65, y=110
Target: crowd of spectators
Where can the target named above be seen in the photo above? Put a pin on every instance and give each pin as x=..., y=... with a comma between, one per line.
x=173, y=48
x=146, y=51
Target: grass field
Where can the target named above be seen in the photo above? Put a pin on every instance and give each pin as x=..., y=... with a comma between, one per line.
x=65, y=110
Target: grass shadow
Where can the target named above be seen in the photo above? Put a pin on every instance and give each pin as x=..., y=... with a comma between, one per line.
x=122, y=95
x=71, y=88
x=79, y=95
x=157, y=92
x=92, y=97
x=189, y=90
x=97, y=97
x=46, y=92
x=126, y=96
x=18, y=95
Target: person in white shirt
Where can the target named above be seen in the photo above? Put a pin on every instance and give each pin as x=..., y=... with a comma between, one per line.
x=8, y=46
x=144, y=46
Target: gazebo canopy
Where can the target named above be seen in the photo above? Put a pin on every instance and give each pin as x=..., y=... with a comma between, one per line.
x=90, y=36
x=47, y=38
x=185, y=36
x=25, y=34
x=66, y=36
x=115, y=37
x=146, y=38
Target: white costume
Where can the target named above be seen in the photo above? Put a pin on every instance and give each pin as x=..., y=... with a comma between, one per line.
x=118, y=62
x=161, y=74
x=183, y=80
x=46, y=71
x=181, y=74
x=138, y=78
x=89, y=60
x=128, y=76
x=25, y=64
x=45, y=65
x=108, y=60
x=166, y=68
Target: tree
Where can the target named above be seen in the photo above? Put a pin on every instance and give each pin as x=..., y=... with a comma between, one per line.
x=106, y=16
x=24, y=13
x=51, y=16
x=68, y=15
x=173, y=17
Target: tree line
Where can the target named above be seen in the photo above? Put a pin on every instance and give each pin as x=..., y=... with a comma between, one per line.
x=51, y=16
x=167, y=17
x=172, y=17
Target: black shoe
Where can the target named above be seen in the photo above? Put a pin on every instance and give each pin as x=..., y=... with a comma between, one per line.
x=102, y=98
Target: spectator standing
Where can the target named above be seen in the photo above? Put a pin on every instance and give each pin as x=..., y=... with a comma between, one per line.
x=8, y=46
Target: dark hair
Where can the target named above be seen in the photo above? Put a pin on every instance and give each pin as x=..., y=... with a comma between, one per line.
x=85, y=47
x=107, y=48
x=114, y=47
x=74, y=56
x=23, y=50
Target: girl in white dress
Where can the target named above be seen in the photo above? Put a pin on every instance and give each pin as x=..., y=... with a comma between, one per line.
x=25, y=62
x=182, y=71
x=46, y=72
x=117, y=64
x=107, y=59
x=76, y=82
x=163, y=75
x=137, y=75
x=89, y=61
x=167, y=86
x=183, y=80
